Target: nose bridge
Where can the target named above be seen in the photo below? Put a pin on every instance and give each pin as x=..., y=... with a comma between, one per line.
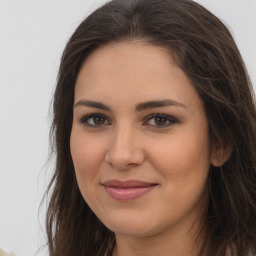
x=123, y=136
x=124, y=150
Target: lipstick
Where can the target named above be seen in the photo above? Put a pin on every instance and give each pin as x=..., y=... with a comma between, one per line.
x=127, y=190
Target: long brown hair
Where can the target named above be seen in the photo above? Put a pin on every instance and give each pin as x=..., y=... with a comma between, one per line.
x=204, y=49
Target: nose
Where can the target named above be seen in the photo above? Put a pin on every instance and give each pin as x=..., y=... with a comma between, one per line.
x=125, y=150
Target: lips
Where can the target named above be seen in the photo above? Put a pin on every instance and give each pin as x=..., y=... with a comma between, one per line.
x=127, y=190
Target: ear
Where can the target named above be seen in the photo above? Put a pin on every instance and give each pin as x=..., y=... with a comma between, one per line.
x=220, y=154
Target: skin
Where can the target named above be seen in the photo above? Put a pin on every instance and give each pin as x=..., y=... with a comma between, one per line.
x=126, y=143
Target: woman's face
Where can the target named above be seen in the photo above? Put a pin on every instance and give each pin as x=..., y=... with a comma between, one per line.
x=139, y=141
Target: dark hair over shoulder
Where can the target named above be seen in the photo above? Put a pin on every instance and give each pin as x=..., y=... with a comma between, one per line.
x=204, y=49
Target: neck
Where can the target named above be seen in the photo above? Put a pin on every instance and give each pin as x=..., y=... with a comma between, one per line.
x=176, y=242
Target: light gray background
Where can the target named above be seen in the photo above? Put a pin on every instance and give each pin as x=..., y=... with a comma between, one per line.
x=32, y=37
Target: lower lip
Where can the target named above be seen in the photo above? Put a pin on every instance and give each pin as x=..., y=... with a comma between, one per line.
x=125, y=194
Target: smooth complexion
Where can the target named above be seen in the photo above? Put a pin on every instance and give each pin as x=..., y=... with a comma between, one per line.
x=139, y=122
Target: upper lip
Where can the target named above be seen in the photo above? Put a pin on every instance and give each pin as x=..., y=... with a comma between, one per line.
x=127, y=183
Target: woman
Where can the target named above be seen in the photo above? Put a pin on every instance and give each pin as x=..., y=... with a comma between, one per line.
x=155, y=135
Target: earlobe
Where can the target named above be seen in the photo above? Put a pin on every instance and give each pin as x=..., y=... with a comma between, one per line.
x=220, y=155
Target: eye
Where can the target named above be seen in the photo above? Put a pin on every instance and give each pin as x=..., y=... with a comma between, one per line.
x=160, y=120
x=95, y=120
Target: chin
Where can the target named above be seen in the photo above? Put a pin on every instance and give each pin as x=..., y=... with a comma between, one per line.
x=133, y=226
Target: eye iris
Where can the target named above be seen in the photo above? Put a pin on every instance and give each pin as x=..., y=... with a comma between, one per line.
x=99, y=120
x=160, y=121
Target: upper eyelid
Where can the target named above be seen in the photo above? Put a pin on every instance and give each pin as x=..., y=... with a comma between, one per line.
x=94, y=114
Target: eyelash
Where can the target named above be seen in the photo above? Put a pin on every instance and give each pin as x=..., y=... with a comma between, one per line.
x=170, y=120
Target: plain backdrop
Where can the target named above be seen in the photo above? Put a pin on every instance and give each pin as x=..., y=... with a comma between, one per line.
x=32, y=37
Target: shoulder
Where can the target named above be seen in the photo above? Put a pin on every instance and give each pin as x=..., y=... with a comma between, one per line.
x=3, y=253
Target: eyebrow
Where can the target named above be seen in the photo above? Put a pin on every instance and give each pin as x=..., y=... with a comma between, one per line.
x=140, y=107
x=93, y=104
x=158, y=103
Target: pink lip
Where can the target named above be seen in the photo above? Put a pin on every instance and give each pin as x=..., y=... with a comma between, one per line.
x=127, y=190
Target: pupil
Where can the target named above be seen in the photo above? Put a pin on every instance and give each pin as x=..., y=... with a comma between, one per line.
x=98, y=120
x=160, y=121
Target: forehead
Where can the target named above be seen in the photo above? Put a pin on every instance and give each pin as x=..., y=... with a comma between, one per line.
x=128, y=62
x=132, y=70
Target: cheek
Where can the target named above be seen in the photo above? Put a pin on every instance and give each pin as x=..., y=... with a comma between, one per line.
x=184, y=165
x=183, y=157
x=87, y=156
